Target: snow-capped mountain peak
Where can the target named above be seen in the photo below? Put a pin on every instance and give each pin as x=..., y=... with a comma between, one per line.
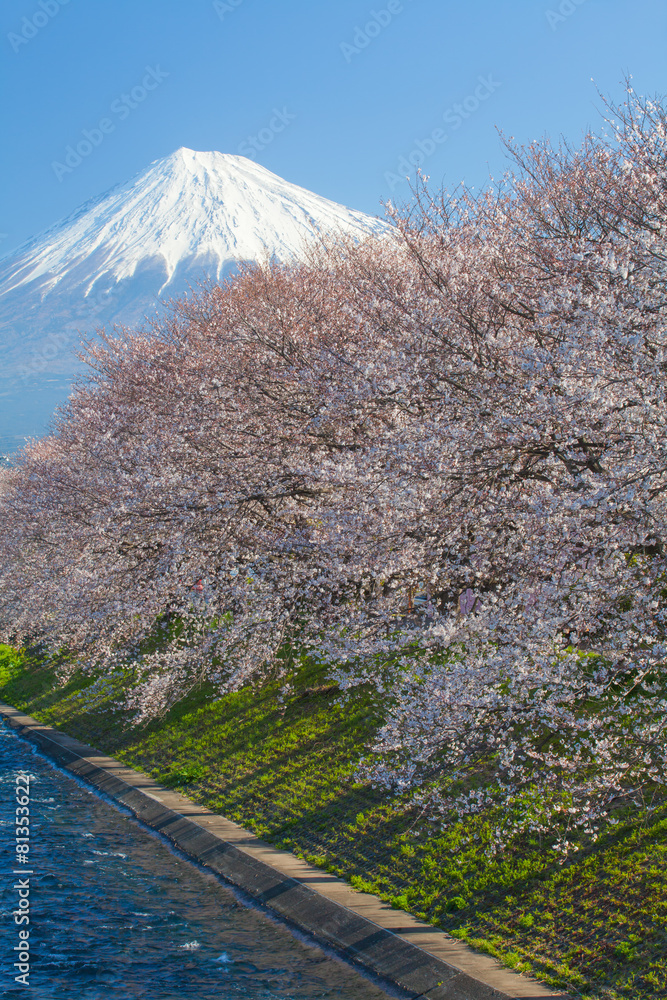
x=215, y=207
x=188, y=216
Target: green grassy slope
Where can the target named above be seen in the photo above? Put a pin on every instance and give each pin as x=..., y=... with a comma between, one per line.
x=596, y=924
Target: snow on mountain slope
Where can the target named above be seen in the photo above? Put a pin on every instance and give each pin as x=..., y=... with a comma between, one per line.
x=187, y=216
x=213, y=206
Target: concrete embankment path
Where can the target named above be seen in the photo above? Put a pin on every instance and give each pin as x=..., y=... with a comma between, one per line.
x=420, y=959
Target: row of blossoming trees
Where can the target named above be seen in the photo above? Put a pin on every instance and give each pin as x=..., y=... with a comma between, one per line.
x=437, y=460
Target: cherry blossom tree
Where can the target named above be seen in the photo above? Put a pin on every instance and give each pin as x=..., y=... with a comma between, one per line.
x=435, y=460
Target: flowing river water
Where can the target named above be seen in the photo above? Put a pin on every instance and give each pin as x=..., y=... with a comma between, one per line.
x=115, y=914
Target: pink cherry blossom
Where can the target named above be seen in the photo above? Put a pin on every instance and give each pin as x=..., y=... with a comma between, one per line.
x=472, y=409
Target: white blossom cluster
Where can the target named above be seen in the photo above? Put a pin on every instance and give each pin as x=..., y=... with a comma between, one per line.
x=438, y=462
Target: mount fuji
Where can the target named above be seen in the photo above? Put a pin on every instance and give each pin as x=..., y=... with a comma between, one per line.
x=188, y=216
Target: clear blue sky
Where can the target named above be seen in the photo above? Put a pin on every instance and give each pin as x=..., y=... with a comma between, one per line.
x=352, y=104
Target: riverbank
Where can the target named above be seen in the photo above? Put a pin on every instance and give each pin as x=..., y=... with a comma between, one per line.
x=285, y=770
x=409, y=956
x=112, y=911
